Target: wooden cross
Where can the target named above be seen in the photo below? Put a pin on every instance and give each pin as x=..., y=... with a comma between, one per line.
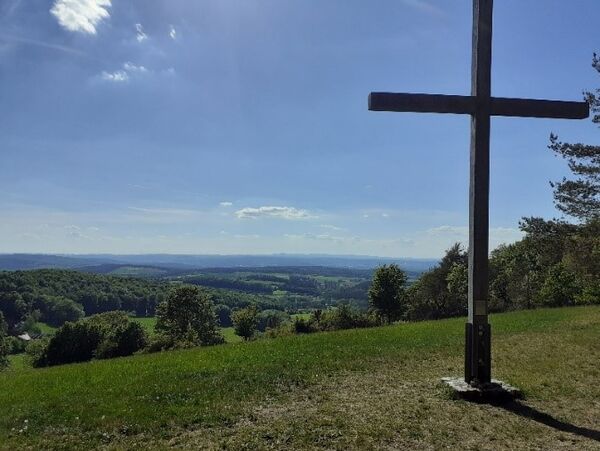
x=481, y=106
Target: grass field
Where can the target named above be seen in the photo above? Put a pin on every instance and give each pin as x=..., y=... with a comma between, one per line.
x=359, y=389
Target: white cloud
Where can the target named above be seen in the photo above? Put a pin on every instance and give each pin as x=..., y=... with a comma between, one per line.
x=80, y=15
x=75, y=231
x=423, y=6
x=121, y=75
x=130, y=67
x=321, y=237
x=331, y=227
x=164, y=211
x=225, y=204
x=289, y=213
x=173, y=32
x=116, y=76
x=140, y=35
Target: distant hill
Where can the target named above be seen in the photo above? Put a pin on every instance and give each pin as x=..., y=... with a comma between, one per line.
x=13, y=262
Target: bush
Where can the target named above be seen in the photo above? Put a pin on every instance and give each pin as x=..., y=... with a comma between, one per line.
x=3, y=343
x=104, y=335
x=245, y=322
x=346, y=317
x=15, y=345
x=271, y=319
x=304, y=326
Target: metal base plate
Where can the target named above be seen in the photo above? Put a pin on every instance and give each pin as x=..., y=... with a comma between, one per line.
x=494, y=391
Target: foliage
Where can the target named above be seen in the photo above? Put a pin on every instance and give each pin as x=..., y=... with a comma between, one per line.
x=442, y=291
x=555, y=264
x=271, y=319
x=223, y=313
x=104, y=335
x=21, y=292
x=4, y=345
x=580, y=197
x=345, y=317
x=245, y=322
x=188, y=315
x=57, y=310
x=387, y=294
x=14, y=345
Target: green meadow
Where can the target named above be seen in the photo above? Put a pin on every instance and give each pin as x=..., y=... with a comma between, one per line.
x=356, y=389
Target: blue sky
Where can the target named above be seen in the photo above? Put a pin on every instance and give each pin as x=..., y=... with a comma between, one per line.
x=219, y=126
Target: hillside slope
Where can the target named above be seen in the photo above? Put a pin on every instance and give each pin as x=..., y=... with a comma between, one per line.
x=359, y=389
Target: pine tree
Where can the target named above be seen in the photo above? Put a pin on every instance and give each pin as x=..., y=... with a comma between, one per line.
x=580, y=197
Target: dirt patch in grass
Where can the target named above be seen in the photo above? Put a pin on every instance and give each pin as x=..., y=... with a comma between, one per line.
x=402, y=405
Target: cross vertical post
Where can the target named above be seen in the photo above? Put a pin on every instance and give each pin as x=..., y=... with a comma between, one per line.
x=477, y=342
x=480, y=105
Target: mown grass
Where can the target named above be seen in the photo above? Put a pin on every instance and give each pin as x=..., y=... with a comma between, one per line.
x=358, y=389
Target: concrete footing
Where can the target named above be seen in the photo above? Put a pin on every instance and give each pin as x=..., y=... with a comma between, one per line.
x=496, y=391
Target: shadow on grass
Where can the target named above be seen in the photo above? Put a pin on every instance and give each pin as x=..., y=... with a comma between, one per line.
x=522, y=410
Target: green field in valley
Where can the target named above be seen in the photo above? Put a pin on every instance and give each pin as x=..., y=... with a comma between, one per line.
x=356, y=389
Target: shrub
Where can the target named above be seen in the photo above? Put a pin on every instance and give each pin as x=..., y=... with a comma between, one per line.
x=15, y=345
x=271, y=319
x=105, y=335
x=3, y=343
x=245, y=322
x=346, y=317
x=304, y=326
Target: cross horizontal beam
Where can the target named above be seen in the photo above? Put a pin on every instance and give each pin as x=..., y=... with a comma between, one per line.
x=499, y=106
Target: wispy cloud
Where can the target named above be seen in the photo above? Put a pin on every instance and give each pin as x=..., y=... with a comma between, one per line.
x=118, y=76
x=172, y=32
x=322, y=237
x=165, y=211
x=225, y=204
x=331, y=227
x=288, y=213
x=123, y=75
x=140, y=36
x=80, y=15
x=47, y=45
x=424, y=6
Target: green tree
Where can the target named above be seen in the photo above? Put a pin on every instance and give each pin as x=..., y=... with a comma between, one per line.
x=223, y=313
x=57, y=310
x=560, y=287
x=105, y=335
x=580, y=197
x=387, y=293
x=271, y=319
x=187, y=315
x=440, y=292
x=4, y=348
x=245, y=321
